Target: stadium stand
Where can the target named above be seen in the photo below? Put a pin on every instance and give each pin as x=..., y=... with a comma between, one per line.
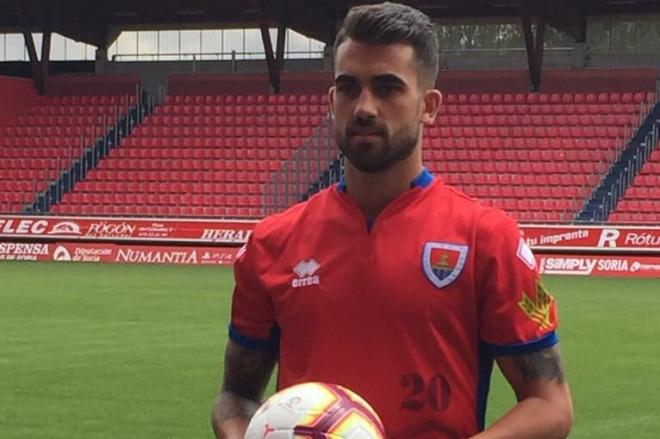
x=47, y=139
x=199, y=156
x=641, y=202
x=210, y=147
x=43, y=136
x=536, y=155
x=16, y=95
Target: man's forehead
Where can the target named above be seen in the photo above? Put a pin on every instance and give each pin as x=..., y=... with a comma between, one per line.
x=367, y=61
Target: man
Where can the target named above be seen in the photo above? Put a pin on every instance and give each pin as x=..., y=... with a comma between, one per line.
x=392, y=283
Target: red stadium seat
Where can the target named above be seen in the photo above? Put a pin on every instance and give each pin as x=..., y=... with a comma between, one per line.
x=506, y=146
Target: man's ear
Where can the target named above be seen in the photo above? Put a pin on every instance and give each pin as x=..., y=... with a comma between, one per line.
x=331, y=101
x=432, y=102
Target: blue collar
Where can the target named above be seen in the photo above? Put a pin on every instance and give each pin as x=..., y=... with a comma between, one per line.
x=422, y=180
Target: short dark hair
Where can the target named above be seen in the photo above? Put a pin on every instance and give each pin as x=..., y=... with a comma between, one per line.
x=390, y=23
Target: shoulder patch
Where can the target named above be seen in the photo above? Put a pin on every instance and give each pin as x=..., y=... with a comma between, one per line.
x=443, y=262
x=538, y=309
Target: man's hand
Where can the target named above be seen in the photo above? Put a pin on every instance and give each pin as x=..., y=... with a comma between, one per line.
x=245, y=379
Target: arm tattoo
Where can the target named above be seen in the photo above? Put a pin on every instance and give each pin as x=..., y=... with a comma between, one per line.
x=542, y=365
x=246, y=375
x=247, y=371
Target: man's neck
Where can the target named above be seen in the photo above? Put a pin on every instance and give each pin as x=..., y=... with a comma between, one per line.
x=374, y=191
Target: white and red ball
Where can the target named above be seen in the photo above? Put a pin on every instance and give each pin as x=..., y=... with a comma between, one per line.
x=315, y=410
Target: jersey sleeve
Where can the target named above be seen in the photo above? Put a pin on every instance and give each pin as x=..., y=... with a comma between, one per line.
x=517, y=314
x=253, y=324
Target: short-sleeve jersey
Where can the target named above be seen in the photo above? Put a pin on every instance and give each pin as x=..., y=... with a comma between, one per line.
x=409, y=311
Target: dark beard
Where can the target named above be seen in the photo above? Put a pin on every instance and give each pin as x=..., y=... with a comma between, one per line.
x=377, y=158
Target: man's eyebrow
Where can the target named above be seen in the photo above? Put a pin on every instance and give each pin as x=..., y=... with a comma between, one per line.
x=389, y=79
x=345, y=78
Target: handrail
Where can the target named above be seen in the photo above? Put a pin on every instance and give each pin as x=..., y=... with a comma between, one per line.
x=633, y=166
x=94, y=143
x=211, y=56
x=292, y=181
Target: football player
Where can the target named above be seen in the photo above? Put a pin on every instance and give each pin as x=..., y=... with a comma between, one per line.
x=392, y=283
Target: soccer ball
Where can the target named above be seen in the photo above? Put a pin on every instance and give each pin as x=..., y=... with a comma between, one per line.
x=315, y=410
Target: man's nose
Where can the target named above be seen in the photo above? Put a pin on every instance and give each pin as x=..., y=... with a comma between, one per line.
x=366, y=104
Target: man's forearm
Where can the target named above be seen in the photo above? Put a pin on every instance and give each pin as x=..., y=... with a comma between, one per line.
x=231, y=415
x=532, y=418
x=245, y=378
x=544, y=409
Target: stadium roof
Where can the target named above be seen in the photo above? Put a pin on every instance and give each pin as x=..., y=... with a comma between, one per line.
x=99, y=22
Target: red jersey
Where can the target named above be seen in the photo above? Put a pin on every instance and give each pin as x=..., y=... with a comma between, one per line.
x=409, y=313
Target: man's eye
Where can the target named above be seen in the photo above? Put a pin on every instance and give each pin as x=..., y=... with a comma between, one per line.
x=386, y=89
x=346, y=88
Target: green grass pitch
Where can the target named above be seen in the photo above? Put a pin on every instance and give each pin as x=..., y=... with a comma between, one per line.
x=117, y=351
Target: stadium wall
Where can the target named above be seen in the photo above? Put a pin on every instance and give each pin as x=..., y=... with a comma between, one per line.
x=92, y=85
x=567, y=250
x=449, y=81
x=219, y=84
x=554, y=81
x=16, y=96
x=249, y=83
x=155, y=75
x=569, y=58
x=23, y=69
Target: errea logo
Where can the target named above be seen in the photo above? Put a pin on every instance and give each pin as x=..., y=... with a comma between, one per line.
x=305, y=271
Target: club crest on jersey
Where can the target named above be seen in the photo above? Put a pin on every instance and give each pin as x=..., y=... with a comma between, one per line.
x=443, y=262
